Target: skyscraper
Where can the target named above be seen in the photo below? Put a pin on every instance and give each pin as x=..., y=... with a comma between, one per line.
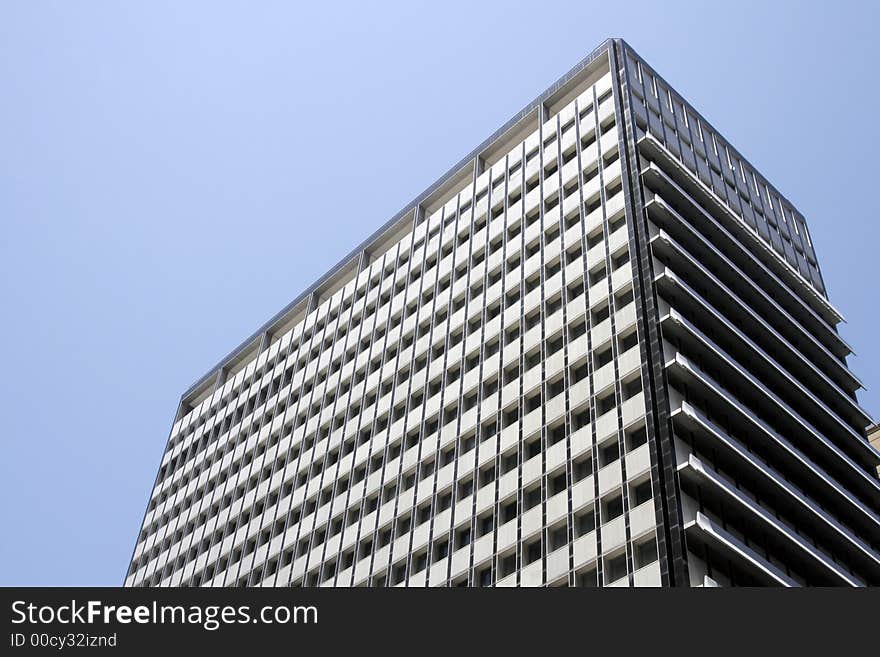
x=597, y=351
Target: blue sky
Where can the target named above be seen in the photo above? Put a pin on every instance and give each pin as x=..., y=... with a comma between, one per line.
x=172, y=174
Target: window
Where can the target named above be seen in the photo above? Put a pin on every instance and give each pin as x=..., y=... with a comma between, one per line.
x=535, y=247
x=507, y=565
x=508, y=463
x=462, y=538
x=533, y=359
x=588, y=579
x=605, y=403
x=619, y=260
x=508, y=511
x=511, y=373
x=617, y=223
x=581, y=419
x=584, y=522
x=376, y=464
x=434, y=387
x=611, y=158
x=449, y=414
x=608, y=452
x=614, y=188
x=532, y=448
x=485, y=525
x=612, y=507
x=426, y=470
x=532, y=552
x=627, y=342
x=636, y=438
x=532, y=498
x=582, y=468
x=558, y=483
x=467, y=443
x=394, y=451
x=615, y=568
x=579, y=372
x=602, y=356
x=533, y=403
x=532, y=320
x=413, y=438
x=640, y=493
x=632, y=388
x=599, y=315
x=558, y=537
x=623, y=298
x=490, y=387
x=645, y=553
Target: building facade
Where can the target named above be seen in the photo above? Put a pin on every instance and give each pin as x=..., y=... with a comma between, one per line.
x=597, y=352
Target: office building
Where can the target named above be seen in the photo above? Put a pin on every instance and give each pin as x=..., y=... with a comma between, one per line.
x=597, y=352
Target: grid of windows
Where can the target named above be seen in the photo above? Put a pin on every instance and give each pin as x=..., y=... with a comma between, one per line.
x=437, y=420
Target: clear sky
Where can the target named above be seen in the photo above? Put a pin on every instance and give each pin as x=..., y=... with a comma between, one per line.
x=172, y=174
